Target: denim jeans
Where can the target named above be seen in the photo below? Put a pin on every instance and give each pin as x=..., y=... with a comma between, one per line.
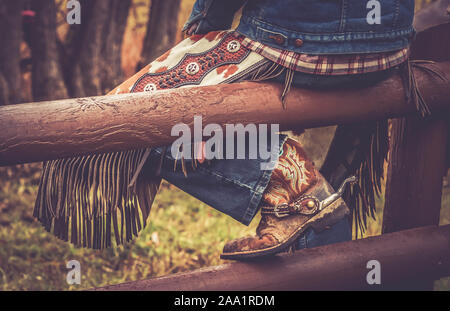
x=325, y=27
x=235, y=187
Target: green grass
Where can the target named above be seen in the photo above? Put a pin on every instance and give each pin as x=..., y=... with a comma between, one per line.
x=183, y=234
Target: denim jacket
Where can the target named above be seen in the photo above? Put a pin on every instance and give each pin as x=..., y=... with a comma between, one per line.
x=313, y=26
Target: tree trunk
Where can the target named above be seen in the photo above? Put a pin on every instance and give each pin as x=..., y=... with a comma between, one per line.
x=111, y=74
x=47, y=80
x=84, y=46
x=10, y=40
x=161, y=30
x=93, y=59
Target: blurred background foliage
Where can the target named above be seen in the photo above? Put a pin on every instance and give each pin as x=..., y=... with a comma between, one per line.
x=183, y=233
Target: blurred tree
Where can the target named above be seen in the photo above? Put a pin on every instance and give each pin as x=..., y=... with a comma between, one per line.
x=83, y=50
x=161, y=30
x=10, y=40
x=111, y=74
x=47, y=81
x=92, y=51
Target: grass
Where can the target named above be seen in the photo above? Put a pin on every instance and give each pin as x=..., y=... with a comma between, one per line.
x=183, y=234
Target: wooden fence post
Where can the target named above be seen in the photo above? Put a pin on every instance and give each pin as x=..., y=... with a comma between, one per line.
x=414, y=180
x=418, y=147
x=415, y=173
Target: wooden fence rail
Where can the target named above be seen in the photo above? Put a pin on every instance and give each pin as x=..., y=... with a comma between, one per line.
x=43, y=131
x=406, y=258
x=49, y=130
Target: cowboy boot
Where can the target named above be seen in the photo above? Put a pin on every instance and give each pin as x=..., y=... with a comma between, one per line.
x=297, y=198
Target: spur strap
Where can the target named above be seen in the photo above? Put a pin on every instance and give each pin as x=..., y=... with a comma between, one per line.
x=306, y=204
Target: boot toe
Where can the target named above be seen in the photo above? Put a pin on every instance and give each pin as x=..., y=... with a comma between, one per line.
x=236, y=245
x=248, y=244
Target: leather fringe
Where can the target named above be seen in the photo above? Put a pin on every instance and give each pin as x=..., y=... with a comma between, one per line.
x=287, y=86
x=412, y=91
x=413, y=96
x=361, y=150
x=86, y=199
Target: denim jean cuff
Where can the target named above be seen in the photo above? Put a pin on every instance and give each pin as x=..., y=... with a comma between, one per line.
x=228, y=186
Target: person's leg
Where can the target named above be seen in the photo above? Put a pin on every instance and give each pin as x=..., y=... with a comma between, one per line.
x=353, y=134
x=296, y=199
x=283, y=189
x=237, y=187
x=229, y=185
x=88, y=199
x=233, y=187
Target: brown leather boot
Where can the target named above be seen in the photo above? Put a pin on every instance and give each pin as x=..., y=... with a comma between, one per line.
x=297, y=197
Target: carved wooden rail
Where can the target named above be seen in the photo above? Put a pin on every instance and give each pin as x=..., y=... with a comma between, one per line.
x=49, y=130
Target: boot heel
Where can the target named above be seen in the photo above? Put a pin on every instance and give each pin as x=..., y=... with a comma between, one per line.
x=330, y=216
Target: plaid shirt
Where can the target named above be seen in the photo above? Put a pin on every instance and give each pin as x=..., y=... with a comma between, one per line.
x=329, y=64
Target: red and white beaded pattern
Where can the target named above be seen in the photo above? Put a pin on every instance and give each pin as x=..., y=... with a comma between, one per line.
x=198, y=60
x=193, y=68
